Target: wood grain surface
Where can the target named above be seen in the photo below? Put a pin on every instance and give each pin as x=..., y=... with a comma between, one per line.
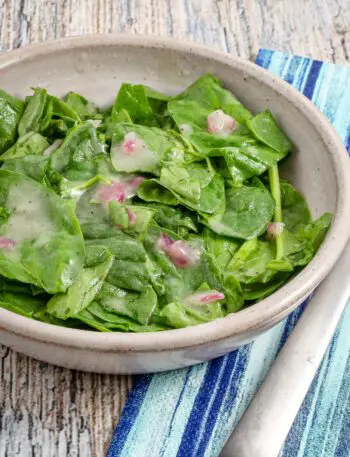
x=54, y=412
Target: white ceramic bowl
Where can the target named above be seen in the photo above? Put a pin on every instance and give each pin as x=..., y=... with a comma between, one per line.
x=95, y=66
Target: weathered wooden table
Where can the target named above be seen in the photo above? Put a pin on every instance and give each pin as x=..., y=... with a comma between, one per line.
x=54, y=412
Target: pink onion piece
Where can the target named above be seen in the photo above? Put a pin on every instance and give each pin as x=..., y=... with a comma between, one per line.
x=181, y=253
x=203, y=298
x=163, y=242
x=274, y=229
x=129, y=143
x=132, y=185
x=7, y=244
x=119, y=190
x=114, y=191
x=219, y=122
x=132, y=217
x=121, y=197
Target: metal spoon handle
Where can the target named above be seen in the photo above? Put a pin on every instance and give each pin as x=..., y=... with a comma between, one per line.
x=264, y=426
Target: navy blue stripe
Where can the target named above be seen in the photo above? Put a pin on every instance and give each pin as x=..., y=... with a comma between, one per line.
x=347, y=140
x=290, y=323
x=191, y=433
x=235, y=386
x=128, y=416
x=178, y=403
x=312, y=78
x=237, y=362
x=263, y=58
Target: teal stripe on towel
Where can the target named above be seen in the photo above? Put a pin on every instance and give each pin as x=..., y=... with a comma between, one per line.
x=191, y=412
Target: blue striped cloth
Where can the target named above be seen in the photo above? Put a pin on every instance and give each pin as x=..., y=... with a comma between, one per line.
x=191, y=412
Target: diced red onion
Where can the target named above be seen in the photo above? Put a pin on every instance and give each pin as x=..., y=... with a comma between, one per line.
x=114, y=191
x=119, y=190
x=121, y=197
x=133, y=153
x=163, y=242
x=219, y=122
x=7, y=244
x=181, y=253
x=132, y=217
x=204, y=298
x=274, y=229
x=230, y=123
x=129, y=143
x=133, y=184
x=56, y=144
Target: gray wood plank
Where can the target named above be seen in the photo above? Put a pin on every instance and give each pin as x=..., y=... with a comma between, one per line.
x=54, y=412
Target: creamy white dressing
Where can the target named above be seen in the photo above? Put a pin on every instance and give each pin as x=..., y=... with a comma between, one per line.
x=28, y=219
x=94, y=122
x=186, y=129
x=75, y=192
x=141, y=158
x=219, y=226
x=176, y=154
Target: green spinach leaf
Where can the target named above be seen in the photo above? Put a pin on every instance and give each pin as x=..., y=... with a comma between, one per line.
x=247, y=213
x=82, y=107
x=10, y=113
x=37, y=114
x=265, y=128
x=86, y=285
x=147, y=147
x=42, y=240
x=28, y=144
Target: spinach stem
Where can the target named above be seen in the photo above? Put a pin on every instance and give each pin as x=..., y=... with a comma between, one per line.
x=276, y=194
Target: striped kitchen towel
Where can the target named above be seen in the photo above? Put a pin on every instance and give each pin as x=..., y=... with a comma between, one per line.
x=191, y=412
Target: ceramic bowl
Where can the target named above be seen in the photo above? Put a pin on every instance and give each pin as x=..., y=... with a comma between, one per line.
x=95, y=66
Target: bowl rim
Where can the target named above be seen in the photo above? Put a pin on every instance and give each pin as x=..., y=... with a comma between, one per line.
x=258, y=316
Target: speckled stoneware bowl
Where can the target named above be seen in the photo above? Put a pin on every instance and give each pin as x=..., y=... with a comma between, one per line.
x=95, y=66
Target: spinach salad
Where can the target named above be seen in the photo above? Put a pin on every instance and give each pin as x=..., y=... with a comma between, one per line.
x=156, y=213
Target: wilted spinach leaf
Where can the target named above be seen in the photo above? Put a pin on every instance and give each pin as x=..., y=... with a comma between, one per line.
x=43, y=241
x=10, y=113
x=247, y=213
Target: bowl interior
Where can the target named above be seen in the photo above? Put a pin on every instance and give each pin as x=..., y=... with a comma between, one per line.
x=97, y=72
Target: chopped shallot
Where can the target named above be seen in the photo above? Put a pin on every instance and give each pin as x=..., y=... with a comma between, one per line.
x=219, y=122
x=274, y=229
x=132, y=217
x=7, y=244
x=181, y=253
x=204, y=298
x=132, y=185
x=119, y=190
x=132, y=154
x=129, y=143
x=114, y=191
x=163, y=242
